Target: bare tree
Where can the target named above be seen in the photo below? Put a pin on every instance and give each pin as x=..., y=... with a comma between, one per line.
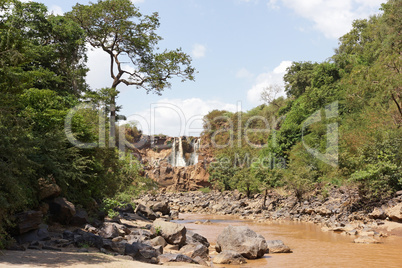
x=270, y=93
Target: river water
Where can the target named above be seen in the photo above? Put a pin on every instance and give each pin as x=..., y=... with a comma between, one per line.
x=311, y=247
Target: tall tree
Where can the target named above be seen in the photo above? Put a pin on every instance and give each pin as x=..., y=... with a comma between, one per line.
x=118, y=28
x=298, y=78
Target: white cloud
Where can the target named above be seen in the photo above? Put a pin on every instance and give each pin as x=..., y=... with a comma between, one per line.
x=199, y=51
x=244, y=73
x=56, y=10
x=273, y=4
x=177, y=117
x=137, y=1
x=281, y=69
x=265, y=79
x=98, y=64
x=332, y=17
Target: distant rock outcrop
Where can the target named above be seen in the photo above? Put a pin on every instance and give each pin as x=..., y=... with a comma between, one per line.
x=178, y=164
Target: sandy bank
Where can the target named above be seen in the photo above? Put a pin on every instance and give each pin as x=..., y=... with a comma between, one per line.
x=44, y=258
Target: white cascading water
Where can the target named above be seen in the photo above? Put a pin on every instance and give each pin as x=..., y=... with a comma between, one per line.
x=180, y=161
x=173, y=154
x=194, y=156
x=177, y=156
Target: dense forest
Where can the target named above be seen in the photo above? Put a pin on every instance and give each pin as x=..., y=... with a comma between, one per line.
x=340, y=123
x=42, y=77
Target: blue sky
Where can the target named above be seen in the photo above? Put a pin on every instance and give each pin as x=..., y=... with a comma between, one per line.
x=238, y=47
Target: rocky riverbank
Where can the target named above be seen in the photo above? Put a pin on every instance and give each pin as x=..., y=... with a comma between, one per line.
x=147, y=235
x=340, y=211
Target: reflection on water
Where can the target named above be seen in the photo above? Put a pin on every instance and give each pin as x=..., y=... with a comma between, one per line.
x=311, y=247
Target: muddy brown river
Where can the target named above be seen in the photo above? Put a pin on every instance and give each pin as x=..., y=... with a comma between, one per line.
x=311, y=247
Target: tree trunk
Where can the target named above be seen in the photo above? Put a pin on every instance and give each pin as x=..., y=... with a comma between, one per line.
x=112, y=137
x=265, y=199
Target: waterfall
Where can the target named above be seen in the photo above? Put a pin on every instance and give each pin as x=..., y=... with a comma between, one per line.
x=173, y=154
x=194, y=155
x=177, y=156
x=180, y=162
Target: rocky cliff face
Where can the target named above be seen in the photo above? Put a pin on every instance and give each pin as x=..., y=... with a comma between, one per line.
x=178, y=164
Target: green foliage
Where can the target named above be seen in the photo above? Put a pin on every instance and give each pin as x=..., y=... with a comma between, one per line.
x=205, y=190
x=362, y=80
x=246, y=182
x=42, y=76
x=380, y=172
x=298, y=78
x=158, y=230
x=221, y=173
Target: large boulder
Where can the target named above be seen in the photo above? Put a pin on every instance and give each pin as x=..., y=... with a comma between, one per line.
x=81, y=238
x=80, y=218
x=62, y=210
x=242, y=240
x=142, y=252
x=194, y=251
x=41, y=234
x=158, y=241
x=229, y=257
x=146, y=211
x=137, y=235
x=48, y=188
x=395, y=212
x=378, y=213
x=162, y=207
x=28, y=221
x=193, y=238
x=277, y=246
x=174, y=234
x=109, y=231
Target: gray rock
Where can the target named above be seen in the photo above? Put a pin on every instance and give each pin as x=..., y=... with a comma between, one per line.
x=68, y=235
x=146, y=211
x=109, y=231
x=277, y=246
x=242, y=240
x=174, y=215
x=80, y=218
x=193, y=251
x=158, y=241
x=62, y=210
x=83, y=238
x=229, y=257
x=127, y=208
x=173, y=233
x=142, y=252
x=194, y=238
x=168, y=257
x=201, y=261
x=118, y=247
x=41, y=234
x=162, y=207
x=159, y=249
